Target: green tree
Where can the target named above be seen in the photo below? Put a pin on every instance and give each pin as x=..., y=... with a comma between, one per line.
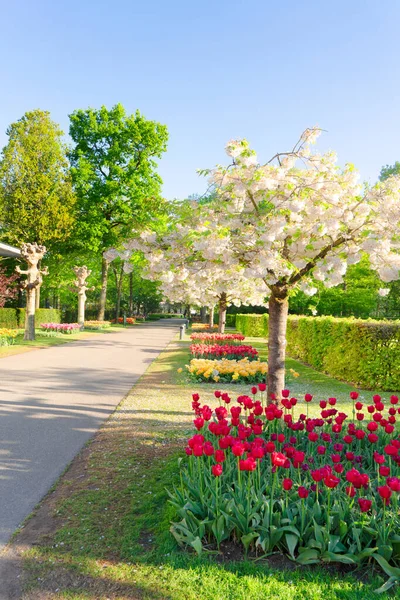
x=115, y=177
x=37, y=202
x=36, y=196
x=389, y=170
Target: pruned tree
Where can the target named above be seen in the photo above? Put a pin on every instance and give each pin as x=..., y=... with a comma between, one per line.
x=32, y=254
x=82, y=273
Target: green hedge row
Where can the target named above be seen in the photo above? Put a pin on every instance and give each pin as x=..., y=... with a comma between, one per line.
x=252, y=325
x=15, y=317
x=363, y=352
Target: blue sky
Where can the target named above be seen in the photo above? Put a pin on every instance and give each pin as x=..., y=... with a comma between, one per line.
x=213, y=70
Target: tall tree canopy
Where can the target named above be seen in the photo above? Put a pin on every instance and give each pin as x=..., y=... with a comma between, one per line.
x=389, y=170
x=115, y=176
x=36, y=197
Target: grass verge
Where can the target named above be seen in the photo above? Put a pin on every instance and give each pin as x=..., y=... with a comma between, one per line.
x=105, y=532
x=20, y=346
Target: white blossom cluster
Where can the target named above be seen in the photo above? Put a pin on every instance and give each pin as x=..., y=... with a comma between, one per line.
x=294, y=220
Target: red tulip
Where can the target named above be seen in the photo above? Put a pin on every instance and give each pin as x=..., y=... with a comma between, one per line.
x=385, y=492
x=308, y=397
x=354, y=395
x=216, y=470
x=287, y=484
x=302, y=492
x=220, y=456
x=364, y=504
x=278, y=459
x=350, y=491
x=331, y=481
x=237, y=449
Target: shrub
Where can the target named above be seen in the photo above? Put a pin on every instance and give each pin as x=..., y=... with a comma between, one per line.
x=43, y=315
x=252, y=325
x=364, y=352
x=230, y=320
x=9, y=318
x=318, y=489
x=227, y=351
x=231, y=371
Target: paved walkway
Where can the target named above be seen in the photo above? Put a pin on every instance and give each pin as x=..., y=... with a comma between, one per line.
x=53, y=400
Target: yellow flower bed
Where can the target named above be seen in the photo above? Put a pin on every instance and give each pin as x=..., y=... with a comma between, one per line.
x=228, y=370
x=7, y=336
x=11, y=333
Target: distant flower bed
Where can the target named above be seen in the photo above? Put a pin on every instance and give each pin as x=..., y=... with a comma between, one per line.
x=226, y=351
x=210, y=338
x=7, y=336
x=95, y=325
x=128, y=320
x=228, y=370
x=60, y=327
x=203, y=327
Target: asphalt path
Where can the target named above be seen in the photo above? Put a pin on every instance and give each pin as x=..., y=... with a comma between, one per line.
x=53, y=400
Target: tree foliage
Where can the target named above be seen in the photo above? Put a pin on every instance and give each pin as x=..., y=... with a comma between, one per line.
x=389, y=170
x=36, y=197
x=114, y=172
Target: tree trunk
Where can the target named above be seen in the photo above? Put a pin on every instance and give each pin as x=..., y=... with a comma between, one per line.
x=222, y=313
x=30, y=314
x=37, y=296
x=211, y=322
x=118, y=285
x=130, y=294
x=103, y=293
x=81, y=308
x=203, y=314
x=277, y=322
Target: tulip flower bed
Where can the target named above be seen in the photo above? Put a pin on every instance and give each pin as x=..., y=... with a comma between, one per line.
x=203, y=327
x=317, y=489
x=61, y=327
x=226, y=351
x=211, y=338
x=97, y=325
x=128, y=320
x=228, y=371
x=7, y=336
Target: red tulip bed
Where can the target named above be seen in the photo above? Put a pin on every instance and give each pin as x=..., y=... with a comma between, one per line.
x=226, y=351
x=319, y=489
x=212, y=338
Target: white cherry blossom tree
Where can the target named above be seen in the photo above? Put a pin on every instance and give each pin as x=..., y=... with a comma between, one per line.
x=189, y=271
x=294, y=219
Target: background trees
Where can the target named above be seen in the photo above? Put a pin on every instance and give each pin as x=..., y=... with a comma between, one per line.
x=37, y=203
x=36, y=197
x=115, y=178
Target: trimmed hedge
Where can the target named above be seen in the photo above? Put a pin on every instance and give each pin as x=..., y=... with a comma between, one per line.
x=252, y=325
x=230, y=320
x=363, y=352
x=9, y=317
x=15, y=317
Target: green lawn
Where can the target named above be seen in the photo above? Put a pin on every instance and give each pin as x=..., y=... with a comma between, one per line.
x=20, y=345
x=110, y=515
